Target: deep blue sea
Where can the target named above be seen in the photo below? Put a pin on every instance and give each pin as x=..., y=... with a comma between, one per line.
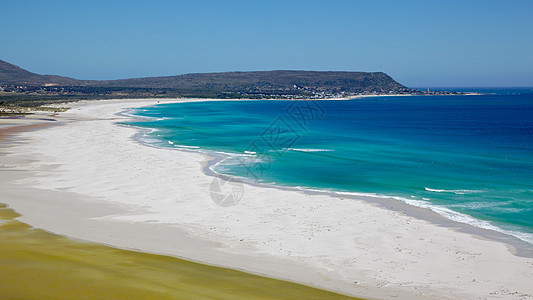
x=470, y=158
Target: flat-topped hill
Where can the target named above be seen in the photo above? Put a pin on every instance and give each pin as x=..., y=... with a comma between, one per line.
x=17, y=84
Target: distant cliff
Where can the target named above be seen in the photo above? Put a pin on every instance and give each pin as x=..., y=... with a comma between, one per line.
x=258, y=85
x=265, y=82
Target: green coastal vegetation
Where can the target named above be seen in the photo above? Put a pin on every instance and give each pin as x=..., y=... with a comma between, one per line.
x=40, y=265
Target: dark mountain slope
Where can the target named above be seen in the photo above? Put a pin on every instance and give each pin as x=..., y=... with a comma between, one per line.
x=266, y=81
x=223, y=82
x=11, y=74
x=21, y=86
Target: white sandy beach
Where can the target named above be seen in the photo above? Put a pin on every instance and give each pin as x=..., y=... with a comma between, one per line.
x=89, y=179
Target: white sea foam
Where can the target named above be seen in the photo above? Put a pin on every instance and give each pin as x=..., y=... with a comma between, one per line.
x=233, y=154
x=234, y=160
x=464, y=218
x=457, y=192
x=307, y=150
x=132, y=115
x=186, y=147
x=477, y=205
x=441, y=210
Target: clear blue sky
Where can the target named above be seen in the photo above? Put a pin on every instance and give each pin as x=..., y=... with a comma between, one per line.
x=419, y=43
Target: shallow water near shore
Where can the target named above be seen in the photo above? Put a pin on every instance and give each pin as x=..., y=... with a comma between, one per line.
x=470, y=158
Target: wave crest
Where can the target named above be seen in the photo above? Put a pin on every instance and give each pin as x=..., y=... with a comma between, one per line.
x=457, y=192
x=307, y=150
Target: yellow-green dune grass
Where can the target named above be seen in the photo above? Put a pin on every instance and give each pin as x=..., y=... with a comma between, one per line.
x=35, y=264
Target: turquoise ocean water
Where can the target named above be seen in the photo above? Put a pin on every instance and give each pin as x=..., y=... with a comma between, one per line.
x=470, y=158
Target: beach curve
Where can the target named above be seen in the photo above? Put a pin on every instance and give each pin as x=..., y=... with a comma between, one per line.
x=157, y=200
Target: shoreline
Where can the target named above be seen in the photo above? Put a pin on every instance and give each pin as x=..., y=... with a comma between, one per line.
x=516, y=245
x=59, y=106
x=392, y=273
x=429, y=213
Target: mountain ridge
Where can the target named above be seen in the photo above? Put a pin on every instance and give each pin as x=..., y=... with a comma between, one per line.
x=341, y=80
x=19, y=84
x=12, y=74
